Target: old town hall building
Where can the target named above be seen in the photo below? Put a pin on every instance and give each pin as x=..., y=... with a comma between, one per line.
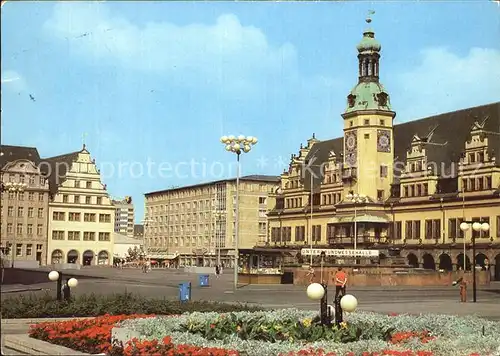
x=404, y=188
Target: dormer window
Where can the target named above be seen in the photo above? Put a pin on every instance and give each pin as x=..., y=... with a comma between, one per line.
x=480, y=157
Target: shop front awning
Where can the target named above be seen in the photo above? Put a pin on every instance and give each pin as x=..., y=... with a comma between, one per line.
x=361, y=218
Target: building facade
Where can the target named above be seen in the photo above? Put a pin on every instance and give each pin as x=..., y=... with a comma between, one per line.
x=404, y=188
x=124, y=216
x=123, y=244
x=195, y=225
x=24, y=209
x=81, y=214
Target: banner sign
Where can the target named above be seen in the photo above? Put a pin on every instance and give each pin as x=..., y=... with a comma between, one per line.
x=339, y=252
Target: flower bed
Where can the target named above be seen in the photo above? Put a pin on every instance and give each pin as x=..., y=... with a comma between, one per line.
x=94, y=336
x=290, y=332
x=287, y=332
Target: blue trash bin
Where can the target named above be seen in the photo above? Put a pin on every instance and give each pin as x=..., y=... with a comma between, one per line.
x=185, y=291
x=203, y=279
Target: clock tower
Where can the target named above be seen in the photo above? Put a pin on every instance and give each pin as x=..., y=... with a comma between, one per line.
x=368, y=127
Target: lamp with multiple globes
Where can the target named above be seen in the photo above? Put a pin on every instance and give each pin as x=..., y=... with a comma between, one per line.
x=478, y=227
x=65, y=289
x=238, y=145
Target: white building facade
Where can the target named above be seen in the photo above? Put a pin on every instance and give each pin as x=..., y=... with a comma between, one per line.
x=81, y=214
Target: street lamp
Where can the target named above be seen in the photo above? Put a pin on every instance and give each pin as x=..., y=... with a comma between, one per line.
x=55, y=276
x=146, y=223
x=479, y=227
x=356, y=199
x=237, y=145
x=16, y=188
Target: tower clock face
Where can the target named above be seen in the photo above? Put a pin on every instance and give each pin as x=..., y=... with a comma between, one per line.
x=383, y=141
x=350, y=141
x=351, y=159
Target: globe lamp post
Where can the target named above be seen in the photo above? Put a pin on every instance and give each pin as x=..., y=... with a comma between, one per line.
x=478, y=227
x=55, y=276
x=237, y=145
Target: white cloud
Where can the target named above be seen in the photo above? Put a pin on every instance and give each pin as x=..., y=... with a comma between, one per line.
x=224, y=53
x=445, y=81
x=12, y=80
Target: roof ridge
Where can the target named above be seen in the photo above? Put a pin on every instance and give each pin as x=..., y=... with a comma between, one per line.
x=60, y=156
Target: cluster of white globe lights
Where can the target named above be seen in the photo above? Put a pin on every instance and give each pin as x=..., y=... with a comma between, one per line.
x=238, y=144
x=348, y=302
x=54, y=276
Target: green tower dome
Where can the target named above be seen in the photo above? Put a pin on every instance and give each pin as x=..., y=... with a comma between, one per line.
x=369, y=43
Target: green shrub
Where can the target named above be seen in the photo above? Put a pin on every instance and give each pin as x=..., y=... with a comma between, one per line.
x=35, y=306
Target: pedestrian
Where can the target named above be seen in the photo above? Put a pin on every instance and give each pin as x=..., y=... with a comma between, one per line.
x=217, y=271
x=311, y=274
x=340, y=282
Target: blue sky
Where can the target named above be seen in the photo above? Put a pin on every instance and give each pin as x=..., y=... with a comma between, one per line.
x=160, y=82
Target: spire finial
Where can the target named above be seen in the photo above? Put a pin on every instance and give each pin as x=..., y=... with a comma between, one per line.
x=83, y=139
x=369, y=17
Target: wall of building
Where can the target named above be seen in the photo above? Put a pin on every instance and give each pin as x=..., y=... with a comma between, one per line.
x=24, y=213
x=198, y=222
x=81, y=217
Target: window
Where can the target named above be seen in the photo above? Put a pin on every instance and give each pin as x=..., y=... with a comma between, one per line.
x=21, y=196
x=31, y=196
x=88, y=236
x=21, y=178
x=57, y=235
x=262, y=200
x=32, y=180
x=58, y=216
x=74, y=217
x=65, y=198
x=367, y=121
x=89, y=185
x=432, y=229
x=40, y=197
x=498, y=226
x=31, y=212
x=29, y=229
x=419, y=190
x=406, y=191
x=382, y=122
x=300, y=233
x=19, y=229
x=262, y=228
x=104, y=218
x=20, y=211
x=9, y=228
x=12, y=195
x=262, y=213
x=480, y=183
x=76, y=199
x=40, y=212
x=39, y=247
x=89, y=217
x=39, y=229
x=395, y=231
x=19, y=250
x=316, y=233
x=73, y=235
x=487, y=184
x=380, y=194
x=367, y=136
x=104, y=236
x=77, y=184
x=29, y=249
x=472, y=157
x=383, y=171
x=412, y=229
x=480, y=157
x=10, y=211
x=426, y=189
x=88, y=200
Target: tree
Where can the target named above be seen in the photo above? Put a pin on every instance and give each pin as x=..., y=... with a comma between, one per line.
x=134, y=254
